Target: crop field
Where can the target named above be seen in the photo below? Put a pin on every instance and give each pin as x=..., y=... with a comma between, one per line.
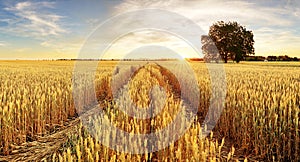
x=42, y=117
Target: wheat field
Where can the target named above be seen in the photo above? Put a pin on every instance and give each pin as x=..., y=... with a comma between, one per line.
x=259, y=122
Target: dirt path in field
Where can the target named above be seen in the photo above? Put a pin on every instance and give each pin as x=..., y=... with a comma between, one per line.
x=45, y=146
x=39, y=149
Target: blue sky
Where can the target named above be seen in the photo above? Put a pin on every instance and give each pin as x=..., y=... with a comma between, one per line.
x=59, y=28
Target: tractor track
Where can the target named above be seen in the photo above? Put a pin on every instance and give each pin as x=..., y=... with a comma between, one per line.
x=45, y=146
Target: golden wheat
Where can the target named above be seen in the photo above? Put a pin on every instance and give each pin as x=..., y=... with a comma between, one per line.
x=260, y=118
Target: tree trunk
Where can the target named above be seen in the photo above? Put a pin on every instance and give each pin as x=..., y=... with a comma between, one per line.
x=225, y=58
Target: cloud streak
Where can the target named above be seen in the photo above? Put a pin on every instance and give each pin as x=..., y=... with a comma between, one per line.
x=2, y=44
x=54, y=26
x=205, y=12
x=34, y=19
x=277, y=20
x=66, y=47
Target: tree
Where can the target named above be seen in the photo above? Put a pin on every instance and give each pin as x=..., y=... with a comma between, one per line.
x=209, y=49
x=272, y=58
x=232, y=40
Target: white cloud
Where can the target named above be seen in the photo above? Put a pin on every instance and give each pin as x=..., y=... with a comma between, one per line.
x=65, y=47
x=93, y=22
x=155, y=39
x=34, y=19
x=21, y=50
x=3, y=44
x=275, y=41
x=208, y=11
x=270, y=24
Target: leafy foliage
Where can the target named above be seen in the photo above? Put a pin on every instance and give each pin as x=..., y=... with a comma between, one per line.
x=232, y=40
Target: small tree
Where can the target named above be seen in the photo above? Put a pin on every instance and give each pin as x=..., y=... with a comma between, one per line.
x=232, y=40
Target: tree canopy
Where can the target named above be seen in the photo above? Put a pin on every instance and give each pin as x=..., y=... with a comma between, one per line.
x=231, y=39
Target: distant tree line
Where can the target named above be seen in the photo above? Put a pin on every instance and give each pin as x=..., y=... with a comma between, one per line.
x=256, y=58
x=271, y=58
x=138, y=59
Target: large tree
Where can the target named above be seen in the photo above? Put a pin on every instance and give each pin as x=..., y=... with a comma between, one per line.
x=232, y=40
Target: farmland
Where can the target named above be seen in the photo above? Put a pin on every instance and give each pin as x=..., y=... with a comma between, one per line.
x=260, y=119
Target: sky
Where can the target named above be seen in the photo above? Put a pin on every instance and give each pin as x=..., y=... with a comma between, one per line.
x=62, y=28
